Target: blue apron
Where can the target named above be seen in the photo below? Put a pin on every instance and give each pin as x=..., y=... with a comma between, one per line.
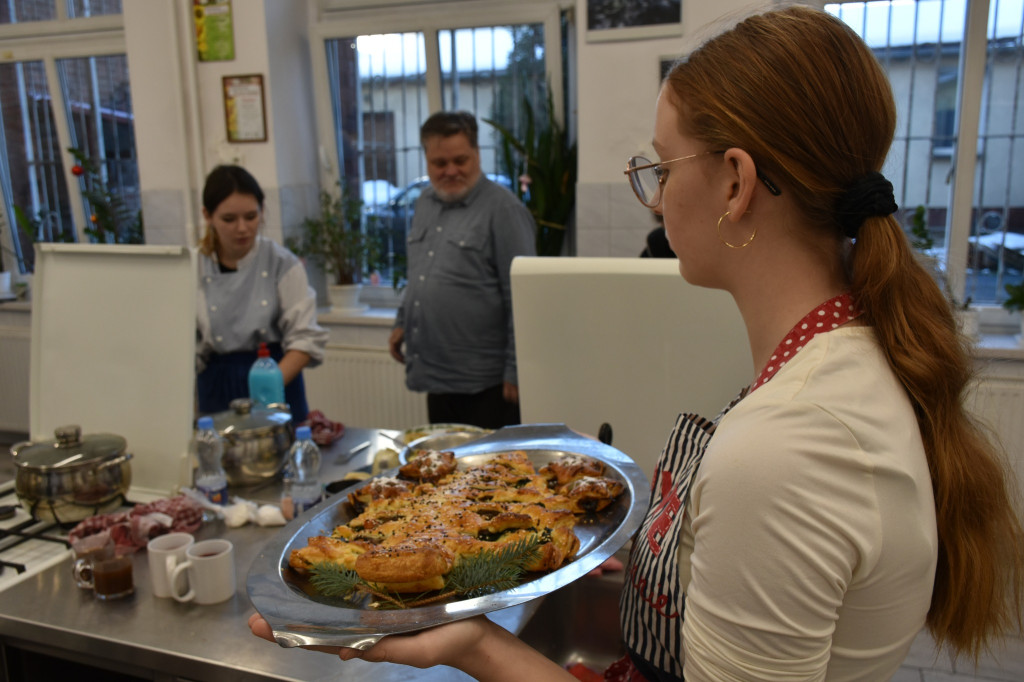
x=226, y=377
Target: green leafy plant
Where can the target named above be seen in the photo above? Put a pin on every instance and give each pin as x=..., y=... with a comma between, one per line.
x=1015, y=294
x=541, y=161
x=922, y=238
x=336, y=241
x=487, y=572
x=110, y=219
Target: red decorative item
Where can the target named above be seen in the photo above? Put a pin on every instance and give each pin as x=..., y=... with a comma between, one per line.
x=324, y=430
x=77, y=170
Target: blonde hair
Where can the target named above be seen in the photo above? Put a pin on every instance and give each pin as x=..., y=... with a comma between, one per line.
x=805, y=97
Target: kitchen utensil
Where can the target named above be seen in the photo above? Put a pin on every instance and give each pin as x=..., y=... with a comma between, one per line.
x=417, y=432
x=256, y=441
x=299, y=616
x=72, y=477
x=439, y=442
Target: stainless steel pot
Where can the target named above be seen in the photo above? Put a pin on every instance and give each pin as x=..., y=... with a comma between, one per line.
x=256, y=441
x=72, y=477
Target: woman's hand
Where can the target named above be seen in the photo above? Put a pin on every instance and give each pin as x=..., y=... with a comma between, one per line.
x=476, y=646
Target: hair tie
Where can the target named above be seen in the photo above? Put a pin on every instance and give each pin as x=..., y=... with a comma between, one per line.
x=867, y=197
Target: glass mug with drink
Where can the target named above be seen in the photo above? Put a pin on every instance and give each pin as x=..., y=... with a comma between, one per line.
x=97, y=546
x=108, y=573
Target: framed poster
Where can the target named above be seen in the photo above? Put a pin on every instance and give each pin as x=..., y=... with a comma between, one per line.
x=244, y=109
x=215, y=31
x=607, y=20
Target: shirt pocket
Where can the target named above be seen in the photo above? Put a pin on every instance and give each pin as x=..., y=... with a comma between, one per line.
x=417, y=233
x=472, y=240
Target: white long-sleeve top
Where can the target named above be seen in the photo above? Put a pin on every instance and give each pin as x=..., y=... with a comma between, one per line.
x=267, y=299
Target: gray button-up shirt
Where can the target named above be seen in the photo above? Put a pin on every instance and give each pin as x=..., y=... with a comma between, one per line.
x=457, y=308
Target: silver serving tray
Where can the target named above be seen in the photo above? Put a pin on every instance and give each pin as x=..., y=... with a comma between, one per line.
x=299, y=616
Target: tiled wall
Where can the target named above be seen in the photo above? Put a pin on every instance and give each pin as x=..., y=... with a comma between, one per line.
x=610, y=221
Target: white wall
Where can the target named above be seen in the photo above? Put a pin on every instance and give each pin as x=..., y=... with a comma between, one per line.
x=179, y=106
x=617, y=88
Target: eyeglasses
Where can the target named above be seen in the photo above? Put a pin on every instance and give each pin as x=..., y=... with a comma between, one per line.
x=646, y=178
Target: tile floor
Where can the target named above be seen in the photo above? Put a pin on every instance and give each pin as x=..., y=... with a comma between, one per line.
x=923, y=664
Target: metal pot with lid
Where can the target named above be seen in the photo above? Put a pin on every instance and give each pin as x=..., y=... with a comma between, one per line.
x=256, y=440
x=73, y=476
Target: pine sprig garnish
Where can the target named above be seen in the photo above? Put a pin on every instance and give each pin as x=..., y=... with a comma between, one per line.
x=493, y=571
x=334, y=580
x=484, y=573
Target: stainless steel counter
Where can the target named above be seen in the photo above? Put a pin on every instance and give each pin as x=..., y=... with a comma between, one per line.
x=162, y=639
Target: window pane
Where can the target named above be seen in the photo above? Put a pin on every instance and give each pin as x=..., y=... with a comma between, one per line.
x=996, y=256
x=33, y=174
x=380, y=100
x=489, y=71
x=919, y=44
x=98, y=97
x=27, y=10
x=92, y=8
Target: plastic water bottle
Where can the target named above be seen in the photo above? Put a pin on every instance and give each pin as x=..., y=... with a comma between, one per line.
x=302, y=474
x=208, y=447
x=266, y=383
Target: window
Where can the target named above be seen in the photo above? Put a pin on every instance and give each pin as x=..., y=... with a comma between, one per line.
x=76, y=97
x=383, y=85
x=947, y=102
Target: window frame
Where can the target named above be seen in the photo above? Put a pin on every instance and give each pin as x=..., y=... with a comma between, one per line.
x=967, y=127
x=429, y=18
x=48, y=42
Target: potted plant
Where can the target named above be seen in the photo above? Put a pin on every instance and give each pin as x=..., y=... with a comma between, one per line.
x=543, y=160
x=337, y=242
x=1015, y=303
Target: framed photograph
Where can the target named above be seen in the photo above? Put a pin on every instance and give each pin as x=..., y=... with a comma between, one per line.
x=244, y=108
x=607, y=20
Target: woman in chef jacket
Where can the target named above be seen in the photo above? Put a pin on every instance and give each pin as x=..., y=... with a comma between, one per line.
x=251, y=289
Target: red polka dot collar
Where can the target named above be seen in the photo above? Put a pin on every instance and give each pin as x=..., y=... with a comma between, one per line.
x=831, y=314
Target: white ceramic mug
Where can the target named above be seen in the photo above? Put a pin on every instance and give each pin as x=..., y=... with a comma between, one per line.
x=165, y=552
x=210, y=567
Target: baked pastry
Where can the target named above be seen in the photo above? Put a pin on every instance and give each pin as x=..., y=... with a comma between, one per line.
x=408, y=535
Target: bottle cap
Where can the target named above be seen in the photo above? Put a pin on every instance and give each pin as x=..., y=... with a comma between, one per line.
x=303, y=433
x=205, y=423
x=263, y=351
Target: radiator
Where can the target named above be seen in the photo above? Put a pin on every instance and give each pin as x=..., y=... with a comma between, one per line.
x=364, y=388
x=999, y=404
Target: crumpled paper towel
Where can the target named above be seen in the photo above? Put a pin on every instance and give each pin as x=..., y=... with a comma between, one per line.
x=240, y=512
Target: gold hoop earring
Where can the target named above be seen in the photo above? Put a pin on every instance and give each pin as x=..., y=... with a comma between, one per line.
x=734, y=246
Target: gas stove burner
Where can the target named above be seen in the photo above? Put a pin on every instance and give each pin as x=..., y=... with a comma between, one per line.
x=7, y=511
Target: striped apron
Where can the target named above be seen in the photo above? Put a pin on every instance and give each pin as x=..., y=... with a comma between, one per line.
x=653, y=599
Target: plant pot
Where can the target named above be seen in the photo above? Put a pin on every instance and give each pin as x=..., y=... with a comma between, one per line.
x=345, y=298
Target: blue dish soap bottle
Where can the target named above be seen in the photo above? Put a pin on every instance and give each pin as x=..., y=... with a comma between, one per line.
x=266, y=383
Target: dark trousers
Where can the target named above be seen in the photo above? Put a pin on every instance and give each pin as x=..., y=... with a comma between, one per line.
x=487, y=409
